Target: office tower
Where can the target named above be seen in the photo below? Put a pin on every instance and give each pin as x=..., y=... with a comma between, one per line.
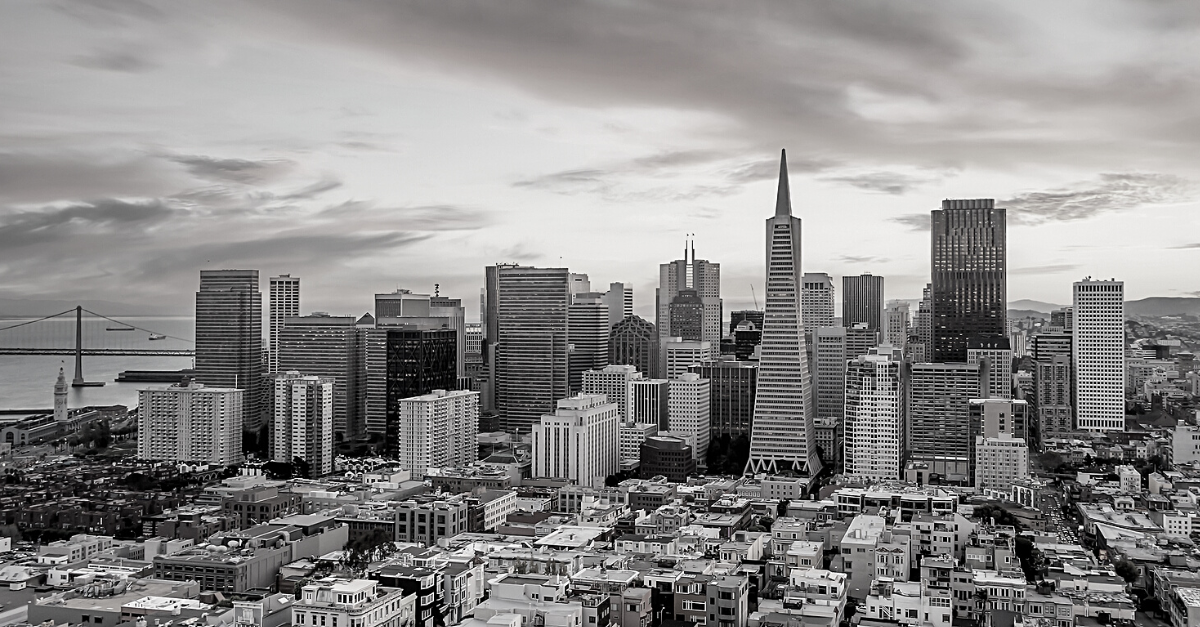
x=752, y=316
x=402, y=304
x=649, y=402
x=688, y=411
x=922, y=331
x=829, y=380
x=578, y=442
x=782, y=438
x=874, y=425
x=229, y=351
x=327, y=346
x=816, y=299
x=613, y=382
x=1053, y=380
x=968, y=260
x=1001, y=454
x=862, y=301
x=939, y=431
x=619, y=299
x=731, y=395
x=188, y=422
x=1046, y=345
x=456, y=317
x=634, y=342
x=683, y=353
x=632, y=435
x=1063, y=318
x=746, y=338
x=302, y=411
x=285, y=303
x=579, y=283
x=417, y=360
x=527, y=326
x=687, y=315
x=995, y=353
x=1016, y=339
x=683, y=274
x=1098, y=355
x=897, y=325
x=587, y=336
x=60, y=398
x=860, y=339
x=438, y=430
x=473, y=352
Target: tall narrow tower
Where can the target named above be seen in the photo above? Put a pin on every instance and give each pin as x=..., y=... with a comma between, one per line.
x=782, y=436
x=285, y=303
x=60, y=397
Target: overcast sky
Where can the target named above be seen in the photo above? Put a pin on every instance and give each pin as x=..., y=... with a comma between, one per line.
x=372, y=145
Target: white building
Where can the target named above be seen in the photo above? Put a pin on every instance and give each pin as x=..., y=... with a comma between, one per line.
x=437, y=430
x=875, y=414
x=337, y=602
x=285, y=303
x=816, y=300
x=1185, y=444
x=302, y=413
x=998, y=357
x=682, y=353
x=632, y=434
x=579, y=442
x=1098, y=355
x=897, y=321
x=190, y=422
x=688, y=411
x=1001, y=453
x=1130, y=479
x=648, y=401
x=613, y=382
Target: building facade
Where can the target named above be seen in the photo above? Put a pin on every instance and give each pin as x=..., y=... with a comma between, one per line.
x=994, y=356
x=816, y=299
x=875, y=415
x=579, y=442
x=682, y=354
x=229, y=342
x=1098, y=355
x=438, y=430
x=939, y=431
x=688, y=407
x=285, y=303
x=731, y=394
x=969, y=270
x=1053, y=381
x=302, y=416
x=634, y=342
x=613, y=382
x=327, y=346
x=863, y=301
x=587, y=336
x=191, y=422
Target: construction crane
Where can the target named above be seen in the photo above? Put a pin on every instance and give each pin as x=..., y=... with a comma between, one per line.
x=755, y=296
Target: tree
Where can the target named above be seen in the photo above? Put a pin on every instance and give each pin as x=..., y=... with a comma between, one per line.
x=1126, y=570
x=301, y=468
x=1031, y=558
x=782, y=508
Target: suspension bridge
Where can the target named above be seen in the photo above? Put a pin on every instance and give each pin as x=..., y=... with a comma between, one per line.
x=94, y=335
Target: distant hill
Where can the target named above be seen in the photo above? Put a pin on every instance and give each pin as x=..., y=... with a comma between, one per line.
x=27, y=308
x=1035, y=305
x=1163, y=306
x=1017, y=314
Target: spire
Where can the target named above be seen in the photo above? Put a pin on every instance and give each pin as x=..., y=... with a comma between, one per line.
x=783, y=202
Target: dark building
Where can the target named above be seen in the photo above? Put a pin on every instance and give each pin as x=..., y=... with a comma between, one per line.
x=968, y=261
x=326, y=346
x=687, y=315
x=752, y=315
x=1047, y=345
x=229, y=337
x=426, y=583
x=746, y=337
x=634, y=342
x=418, y=362
x=666, y=456
x=731, y=395
x=862, y=301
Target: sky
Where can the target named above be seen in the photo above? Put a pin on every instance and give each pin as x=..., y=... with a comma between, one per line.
x=370, y=146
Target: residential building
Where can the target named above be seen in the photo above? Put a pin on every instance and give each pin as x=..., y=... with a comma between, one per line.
x=355, y=602
x=437, y=430
x=994, y=354
x=782, y=438
x=1098, y=355
x=189, y=422
x=863, y=301
x=969, y=270
x=875, y=414
x=816, y=300
x=688, y=408
x=1053, y=380
x=302, y=420
x=229, y=347
x=731, y=394
x=579, y=442
x=285, y=303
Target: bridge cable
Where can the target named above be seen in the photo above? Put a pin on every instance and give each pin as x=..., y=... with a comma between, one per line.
x=135, y=327
x=21, y=324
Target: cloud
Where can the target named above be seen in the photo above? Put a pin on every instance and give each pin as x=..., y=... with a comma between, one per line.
x=862, y=259
x=520, y=252
x=53, y=175
x=894, y=183
x=115, y=61
x=568, y=181
x=242, y=171
x=1108, y=193
x=1046, y=269
x=20, y=229
x=315, y=189
x=419, y=218
x=914, y=221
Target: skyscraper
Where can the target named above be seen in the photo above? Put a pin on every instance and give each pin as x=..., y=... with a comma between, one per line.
x=527, y=326
x=438, y=429
x=619, y=299
x=683, y=353
x=922, y=349
x=189, y=422
x=782, y=437
x=731, y=394
x=1053, y=380
x=897, y=325
x=327, y=346
x=302, y=413
x=816, y=299
x=689, y=273
x=285, y=303
x=862, y=301
x=1098, y=355
x=634, y=341
x=419, y=361
x=587, y=335
x=830, y=377
x=456, y=317
x=969, y=270
x=753, y=316
x=995, y=353
x=687, y=315
x=229, y=338
x=688, y=407
x=939, y=432
x=613, y=382
x=875, y=414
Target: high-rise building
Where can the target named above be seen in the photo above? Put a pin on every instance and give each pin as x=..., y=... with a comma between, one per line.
x=746, y=339
x=402, y=303
x=939, y=432
x=1063, y=318
x=437, y=430
x=667, y=456
x=526, y=333
x=994, y=357
x=860, y=339
x=969, y=270
x=922, y=349
x=189, y=422
x=649, y=402
x=1047, y=344
x=731, y=395
x=285, y=303
x=1001, y=455
x=862, y=301
x=1053, y=380
x=473, y=353
x=632, y=435
x=682, y=353
x=829, y=380
x=327, y=346
x=687, y=315
x=753, y=316
x=875, y=414
x=302, y=413
x=1098, y=355
x=587, y=336
x=579, y=442
x=688, y=410
x=816, y=299
x=619, y=299
x=634, y=341
x=689, y=273
x=897, y=325
x=455, y=314
x=613, y=382
x=417, y=362
x=782, y=437
x=229, y=338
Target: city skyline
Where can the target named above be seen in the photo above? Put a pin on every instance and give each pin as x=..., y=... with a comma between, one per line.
x=208, y=170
